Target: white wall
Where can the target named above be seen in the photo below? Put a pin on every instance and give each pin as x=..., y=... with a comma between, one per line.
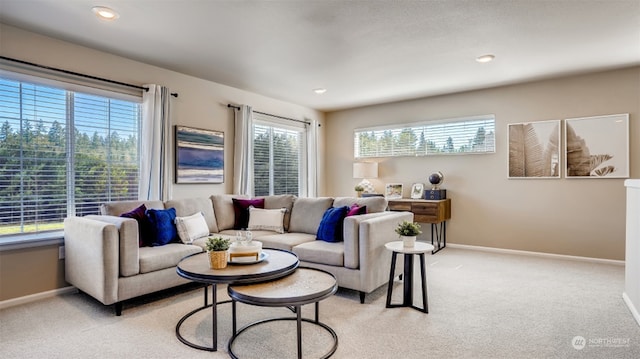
x=582, y=217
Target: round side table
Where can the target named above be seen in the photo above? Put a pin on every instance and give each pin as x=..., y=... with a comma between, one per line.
x=304, y=286
x=420, y=249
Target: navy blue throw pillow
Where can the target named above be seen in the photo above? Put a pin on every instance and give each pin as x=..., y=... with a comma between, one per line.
x=163, y=228
x=331, y=225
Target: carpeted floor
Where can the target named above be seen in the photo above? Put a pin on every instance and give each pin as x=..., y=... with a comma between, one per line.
x=481, y=305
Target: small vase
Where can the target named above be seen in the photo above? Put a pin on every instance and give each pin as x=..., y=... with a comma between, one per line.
x=217, y=259
x=408, y=241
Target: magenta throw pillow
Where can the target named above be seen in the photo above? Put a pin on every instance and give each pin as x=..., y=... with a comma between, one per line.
x=356, y=210
x=241, y=210
x=143, y=224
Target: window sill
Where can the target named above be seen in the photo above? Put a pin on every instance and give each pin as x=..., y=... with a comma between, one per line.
x=21, y=241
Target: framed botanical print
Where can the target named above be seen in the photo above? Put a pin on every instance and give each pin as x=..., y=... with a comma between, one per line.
x=597, y=147
x=534, y=149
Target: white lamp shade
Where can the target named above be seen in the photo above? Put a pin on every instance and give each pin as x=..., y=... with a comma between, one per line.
x=365, y=170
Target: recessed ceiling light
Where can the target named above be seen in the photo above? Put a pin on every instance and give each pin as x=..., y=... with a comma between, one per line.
x=320, y=90
x=485, y=58
x=105, y=13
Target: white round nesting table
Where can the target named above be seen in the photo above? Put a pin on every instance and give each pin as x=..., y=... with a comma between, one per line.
x=419, y=248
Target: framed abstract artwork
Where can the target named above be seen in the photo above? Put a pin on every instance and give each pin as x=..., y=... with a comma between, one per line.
x=597, y=147
x=199, y=155
x=534, y=149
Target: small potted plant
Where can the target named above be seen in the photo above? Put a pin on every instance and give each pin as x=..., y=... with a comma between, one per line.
x=359, y=189
x=408, y=232
x=217, y=250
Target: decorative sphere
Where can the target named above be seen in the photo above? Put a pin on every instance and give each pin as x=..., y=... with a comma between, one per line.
x=436, y=178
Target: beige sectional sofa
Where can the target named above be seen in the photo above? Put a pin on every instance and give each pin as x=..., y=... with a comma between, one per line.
x=104, y=260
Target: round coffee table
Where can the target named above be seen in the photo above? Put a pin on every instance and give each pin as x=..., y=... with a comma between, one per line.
x=420, y=249
x=278, y=263
x=304, y=286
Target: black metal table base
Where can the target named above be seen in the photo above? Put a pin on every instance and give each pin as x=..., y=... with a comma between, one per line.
x=407, y=278
x=439, y=232
x=214, y=329
x=298, y=318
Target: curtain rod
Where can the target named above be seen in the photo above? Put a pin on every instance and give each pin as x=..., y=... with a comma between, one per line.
x=78, y=74
x=276, y=116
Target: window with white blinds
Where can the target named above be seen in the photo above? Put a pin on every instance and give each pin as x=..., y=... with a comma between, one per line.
x=454, y=136
x=279, y=153
x=62, y=153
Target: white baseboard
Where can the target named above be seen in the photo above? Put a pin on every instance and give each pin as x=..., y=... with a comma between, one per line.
x=37, y=296
x=632, y=307
x=537, y=254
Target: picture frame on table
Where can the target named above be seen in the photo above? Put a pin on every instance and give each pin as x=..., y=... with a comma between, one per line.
x=417, y=190
x=393, y=190
x=597, y=147
x=199, y=155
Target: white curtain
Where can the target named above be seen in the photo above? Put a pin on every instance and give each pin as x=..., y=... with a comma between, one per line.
x=155, y=149
x=312, y=159
x=243, y=152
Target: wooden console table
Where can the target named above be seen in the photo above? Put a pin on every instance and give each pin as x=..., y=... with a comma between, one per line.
x=435, y=212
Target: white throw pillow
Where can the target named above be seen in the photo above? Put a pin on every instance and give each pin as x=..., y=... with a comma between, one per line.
x=266, y=219
x=192, y=227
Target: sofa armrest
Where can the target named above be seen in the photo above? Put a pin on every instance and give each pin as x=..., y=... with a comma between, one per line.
x=374, y=259
x=91, y=257
x=128, y=242
x=351, y=234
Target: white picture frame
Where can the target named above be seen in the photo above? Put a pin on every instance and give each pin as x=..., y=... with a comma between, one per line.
x=417, y=191
x=597, y=146
x=393, y=190
x=534, y=150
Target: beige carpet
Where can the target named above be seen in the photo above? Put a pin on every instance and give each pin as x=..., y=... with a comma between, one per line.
x=482, y=305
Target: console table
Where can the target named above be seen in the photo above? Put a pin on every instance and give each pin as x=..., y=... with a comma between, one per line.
x=435, y=212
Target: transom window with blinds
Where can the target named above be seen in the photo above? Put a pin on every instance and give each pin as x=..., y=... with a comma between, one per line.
x=455, y=136
x=63, y=152
x=279, y=156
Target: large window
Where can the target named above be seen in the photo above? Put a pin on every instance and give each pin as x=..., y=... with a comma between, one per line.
x=279, y=152
x=63, y=153
x=466, y=135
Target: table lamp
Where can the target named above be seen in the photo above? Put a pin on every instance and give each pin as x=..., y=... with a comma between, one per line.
x=365, y=170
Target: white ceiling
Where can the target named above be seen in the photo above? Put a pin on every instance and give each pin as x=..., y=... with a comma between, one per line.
x=363, y=52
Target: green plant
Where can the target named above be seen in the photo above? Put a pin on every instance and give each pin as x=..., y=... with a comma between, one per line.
x=359, y=188
x=214, y=244
x=408, y=229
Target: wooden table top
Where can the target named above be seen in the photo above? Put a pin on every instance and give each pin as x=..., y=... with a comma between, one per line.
x=278, y=263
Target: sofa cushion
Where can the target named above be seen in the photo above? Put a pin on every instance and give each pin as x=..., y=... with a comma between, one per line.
x=374, y=204
x=330, y=228
x=188, y=206
x=156, y=258
x=321, y=252
x=281, y=201
x=163, y=228
x=307, y=214
x=241, y=210
x=139, y=214
x=223, y=208
x=119, y=207
x=286, y=241
x=266, y=219
x=191, y=227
